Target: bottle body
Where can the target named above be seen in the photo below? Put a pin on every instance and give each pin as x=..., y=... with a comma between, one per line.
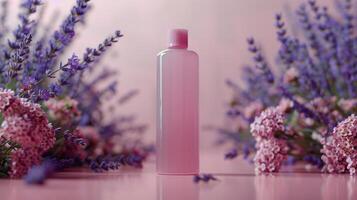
x=177, y=112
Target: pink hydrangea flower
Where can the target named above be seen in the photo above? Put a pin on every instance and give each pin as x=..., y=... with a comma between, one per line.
x=291, y=75
x=270, y=155
x=22, y=160
x=26, y=124
x=271, y=151
x=63, y=110
x=285, y=105
x=267, y=124
x=90, y=133
x=347, y=104
x=339, y=152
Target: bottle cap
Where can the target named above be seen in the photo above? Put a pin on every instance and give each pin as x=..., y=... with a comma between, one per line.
x=178, y=38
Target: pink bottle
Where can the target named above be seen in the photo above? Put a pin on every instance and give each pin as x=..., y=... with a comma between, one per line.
x=177, y=108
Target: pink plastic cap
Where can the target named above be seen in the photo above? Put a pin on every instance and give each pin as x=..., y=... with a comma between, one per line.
x=178, y=38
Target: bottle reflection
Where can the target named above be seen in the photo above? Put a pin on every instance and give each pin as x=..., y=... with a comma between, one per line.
x=279, y=187
x=338, y=186
x=305, y=186
x=176, y=188
x=351, y=185
x=268, y=187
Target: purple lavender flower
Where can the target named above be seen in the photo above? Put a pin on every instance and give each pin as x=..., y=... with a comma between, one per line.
x=231, y=154
x=3, y=17
x=94, y=54
x=75, y=139
x=314, y=160
x=74, y=63
x=290, y=160
x=126, y=97
x=106, y=163
x=72, y=69
x=288, y=46
x=55, y=89
x=66, y=33
x=20, y=47
x=38, y=174
x=260, y=61
x=309, y=28
x=48, y=55
x=246, y=150
x=44, y=94
x=89, y=57
x=204, y=178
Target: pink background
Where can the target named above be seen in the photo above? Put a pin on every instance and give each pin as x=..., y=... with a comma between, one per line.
x=218, y=32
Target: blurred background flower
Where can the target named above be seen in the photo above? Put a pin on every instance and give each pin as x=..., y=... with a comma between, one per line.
x=315, y=76
x=58, y=112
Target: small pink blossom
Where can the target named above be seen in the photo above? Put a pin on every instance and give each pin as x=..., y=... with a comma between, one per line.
x=63, y=110
x=347, y=105
x=291, y=75
x=271, y=151
x=285, y=105
x=90, y=133
x=267, y=124
x=270, y=155
x=339, y=152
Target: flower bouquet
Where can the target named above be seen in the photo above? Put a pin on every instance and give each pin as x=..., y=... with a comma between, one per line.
x=302, y=109
x=52, y=112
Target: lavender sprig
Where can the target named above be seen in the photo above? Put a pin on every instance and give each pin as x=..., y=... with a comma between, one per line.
x=288, y=46
x=90, y=56
x=75, y=139
x=94, y=54
x=20, y=47
x=106, y=163
x=260, y=61
x=3, y=17
x=72, y=68
x=59, y=41
x=231, y=154
x=38, y=174
x=64, y=36
x=204, y=178
x=309, y=28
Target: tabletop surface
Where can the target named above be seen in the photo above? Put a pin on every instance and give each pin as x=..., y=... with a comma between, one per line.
x=236, y=181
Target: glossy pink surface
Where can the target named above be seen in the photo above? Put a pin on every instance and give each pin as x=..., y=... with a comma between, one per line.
x=236, y=181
